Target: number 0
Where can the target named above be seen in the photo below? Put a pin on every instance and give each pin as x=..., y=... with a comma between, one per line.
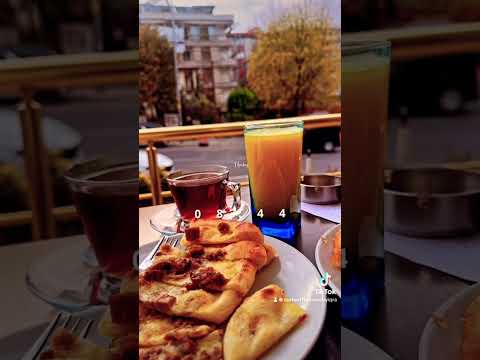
x=282, y=213
x=198, y=214
x=260, y=213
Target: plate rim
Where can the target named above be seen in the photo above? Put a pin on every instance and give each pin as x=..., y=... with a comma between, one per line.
x=316, y=274
x=321, y=269
x=425, y=339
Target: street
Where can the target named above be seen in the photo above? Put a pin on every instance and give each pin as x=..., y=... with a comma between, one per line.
x=230, y=152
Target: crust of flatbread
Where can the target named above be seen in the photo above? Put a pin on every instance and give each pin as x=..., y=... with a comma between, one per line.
x=471, y=332
x=271, y=254
x=209, y=233
x=208, y=347
x=259, y=323
x=197, y=304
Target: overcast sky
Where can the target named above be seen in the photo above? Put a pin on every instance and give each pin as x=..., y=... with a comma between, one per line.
x=249, y=13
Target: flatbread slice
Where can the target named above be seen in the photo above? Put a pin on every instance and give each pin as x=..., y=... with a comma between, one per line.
x=213, y=276
x=208, y=347
x=471, y=332
x=213, y=307
x=156, y=328
x=215, y=232
x=252, y=251
x=259, y=323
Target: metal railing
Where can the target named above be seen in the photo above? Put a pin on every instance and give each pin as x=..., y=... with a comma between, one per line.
x=425, y=41
x=24, y=77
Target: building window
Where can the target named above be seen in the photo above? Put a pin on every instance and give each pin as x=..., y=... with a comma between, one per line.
x=206, y=54
x=187, y=55
x=204, y=33
x=192, y=32
x=208, y=77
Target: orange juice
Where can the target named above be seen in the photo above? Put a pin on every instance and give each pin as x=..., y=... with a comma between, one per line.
x=274, y=155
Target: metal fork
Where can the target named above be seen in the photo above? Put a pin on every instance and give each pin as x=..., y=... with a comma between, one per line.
x=61, y=320
x=171, y=240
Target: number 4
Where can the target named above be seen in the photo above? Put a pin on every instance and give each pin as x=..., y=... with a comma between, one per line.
x=260, y=213
x=282, y=213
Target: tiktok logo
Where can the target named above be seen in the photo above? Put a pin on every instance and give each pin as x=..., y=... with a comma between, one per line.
x=325, y=279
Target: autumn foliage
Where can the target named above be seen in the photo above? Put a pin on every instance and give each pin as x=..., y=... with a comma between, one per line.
x=295, y=66
x=157, y=75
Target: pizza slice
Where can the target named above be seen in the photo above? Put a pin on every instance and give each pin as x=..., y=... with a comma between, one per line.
x=259, y=323
x=208, y=347
x=215, y=232
x=471, y=332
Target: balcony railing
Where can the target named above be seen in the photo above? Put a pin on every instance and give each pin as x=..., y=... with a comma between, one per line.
x=23, y=77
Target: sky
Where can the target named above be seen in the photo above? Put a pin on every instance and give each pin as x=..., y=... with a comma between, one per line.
x=250, y=13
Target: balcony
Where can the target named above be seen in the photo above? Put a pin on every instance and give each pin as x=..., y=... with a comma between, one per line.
x=225, y=62
x=208, y=41
x=194, y=64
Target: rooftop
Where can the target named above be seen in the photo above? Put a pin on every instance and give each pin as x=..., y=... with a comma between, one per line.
x=153, y=8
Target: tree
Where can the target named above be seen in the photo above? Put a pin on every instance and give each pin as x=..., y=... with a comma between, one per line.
x=296, y=63
x=242, y=104
x=157, y=75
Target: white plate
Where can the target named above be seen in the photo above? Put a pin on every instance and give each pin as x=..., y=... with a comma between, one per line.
x=444, y=342
x=355, y=347
x=323, y=255
x=294, y=273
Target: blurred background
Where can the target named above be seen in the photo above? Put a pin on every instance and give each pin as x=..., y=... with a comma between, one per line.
x=41, y=43
x=433, y=122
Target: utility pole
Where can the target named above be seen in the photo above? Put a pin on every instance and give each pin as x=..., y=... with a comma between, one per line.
x=173, y=12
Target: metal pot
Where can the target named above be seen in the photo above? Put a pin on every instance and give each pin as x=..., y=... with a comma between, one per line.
x=432, y=202
x=321, y=189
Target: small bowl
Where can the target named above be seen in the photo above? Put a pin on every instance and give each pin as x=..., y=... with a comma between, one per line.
x=321, y=189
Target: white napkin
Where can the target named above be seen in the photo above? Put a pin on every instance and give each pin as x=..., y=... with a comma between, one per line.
x=457, y=257
x=332, y=213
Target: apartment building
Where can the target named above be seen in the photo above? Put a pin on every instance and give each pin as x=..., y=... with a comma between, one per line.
x=243, y=45
x=204, y=52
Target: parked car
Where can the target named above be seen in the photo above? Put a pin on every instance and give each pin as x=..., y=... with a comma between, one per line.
x=321, y=140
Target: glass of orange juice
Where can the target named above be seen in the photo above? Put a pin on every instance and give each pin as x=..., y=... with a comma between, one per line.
x=274, y=159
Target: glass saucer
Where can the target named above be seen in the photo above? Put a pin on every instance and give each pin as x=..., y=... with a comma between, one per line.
x=167, y=219
x=65, y=279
